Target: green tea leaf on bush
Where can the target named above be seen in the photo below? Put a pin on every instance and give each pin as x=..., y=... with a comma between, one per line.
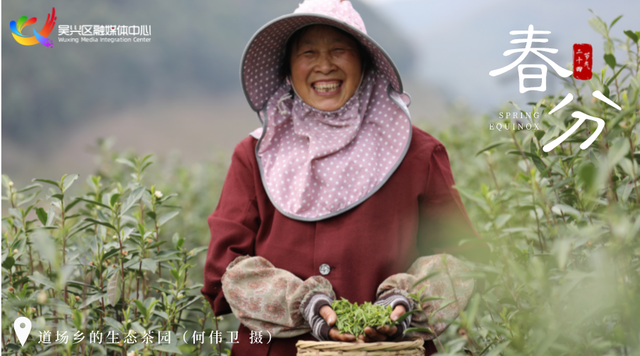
x=13, y=347
x=81, y=285
x=498, y=349
x=101, y=223
x=161, y=314
x=40, y=279
x=132, y=199
x=623, y=191
x=429, y=299
x=587, y=175
x=6, y=180
x=194, y=300
x=68, y=180
x=487, y=148
x=114, y=199
x=45, y=246
x=127, y=162
x=472, y=310
x=631, y=35
x=58, y=196
x=60, y=306
x=150, y=265
x=615, y=75
x=197, y=250
x=562, y=209
x=614, y=21
x=404, y=316
x=110, y=253
x=141, y=307
x=51, y=215
x=617, y=150
x=72, y=204
x=114, y=289
x=628, y=167
x=428, y=276
x=502, y=219
x=93, y=202
x=98, y=347
x=138, y=328
x=175, y=274
x=63, y=275
x=28, y=198
x=113, y=323
x=419, y=330
x=42, y=216
x=471, y=195
x=8, y=263
x=29, y=187
x=598, y=25
x=126, y=232
x=77, y=319
x=635, y=81
x=150, y=304
x=52, y=182
x=446, y=304
x=561, y=250
x=16, y=213
x=92, y=299
x=610, y=59
x=166, y=217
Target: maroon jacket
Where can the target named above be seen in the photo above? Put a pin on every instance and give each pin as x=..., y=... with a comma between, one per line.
x=416, y=212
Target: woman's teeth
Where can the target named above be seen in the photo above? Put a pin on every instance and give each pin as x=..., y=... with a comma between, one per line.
x=326, y=87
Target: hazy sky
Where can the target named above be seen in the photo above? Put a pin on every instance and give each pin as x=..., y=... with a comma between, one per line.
x=458, y=42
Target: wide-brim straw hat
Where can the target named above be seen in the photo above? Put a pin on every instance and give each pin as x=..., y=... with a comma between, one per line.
x=264, y=55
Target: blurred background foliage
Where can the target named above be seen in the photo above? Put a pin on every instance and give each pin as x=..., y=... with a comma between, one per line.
x=195, y=50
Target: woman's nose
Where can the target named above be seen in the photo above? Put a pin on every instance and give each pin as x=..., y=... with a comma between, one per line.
x=325, y=65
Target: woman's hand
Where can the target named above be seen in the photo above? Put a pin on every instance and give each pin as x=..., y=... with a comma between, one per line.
x=330, y=318
x=381, y=333
x=385, y=332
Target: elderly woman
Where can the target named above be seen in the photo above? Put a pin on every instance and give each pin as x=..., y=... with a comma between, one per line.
x=335, y=195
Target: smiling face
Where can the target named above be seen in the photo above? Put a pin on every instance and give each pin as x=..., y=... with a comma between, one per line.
x=325, y=67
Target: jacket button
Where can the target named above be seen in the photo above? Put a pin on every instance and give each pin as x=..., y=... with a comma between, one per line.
x=325, y=269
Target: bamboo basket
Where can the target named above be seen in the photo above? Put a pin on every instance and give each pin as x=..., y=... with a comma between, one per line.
x=335, y=348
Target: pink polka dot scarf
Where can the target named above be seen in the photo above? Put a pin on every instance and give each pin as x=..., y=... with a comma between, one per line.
x=317, y=164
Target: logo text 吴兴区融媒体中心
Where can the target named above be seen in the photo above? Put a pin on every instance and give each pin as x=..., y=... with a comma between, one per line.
x=104, y=33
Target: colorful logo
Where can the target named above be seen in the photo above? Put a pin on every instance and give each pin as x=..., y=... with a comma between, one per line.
x=39, y=37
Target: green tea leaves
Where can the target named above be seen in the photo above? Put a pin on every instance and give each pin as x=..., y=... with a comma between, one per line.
x=353, y=318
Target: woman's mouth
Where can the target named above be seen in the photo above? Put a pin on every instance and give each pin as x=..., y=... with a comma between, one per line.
x=327, y=87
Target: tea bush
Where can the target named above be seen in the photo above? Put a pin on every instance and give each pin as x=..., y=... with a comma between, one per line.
x=563, y=225
x=107, y=260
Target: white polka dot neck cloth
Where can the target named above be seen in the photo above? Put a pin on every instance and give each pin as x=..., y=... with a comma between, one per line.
x=317, y=164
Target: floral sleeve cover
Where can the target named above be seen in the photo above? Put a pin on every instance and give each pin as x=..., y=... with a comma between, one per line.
x=437, y=286
x=271, y=299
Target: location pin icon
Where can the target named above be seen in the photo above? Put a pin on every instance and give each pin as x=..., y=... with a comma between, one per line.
x=22, y=326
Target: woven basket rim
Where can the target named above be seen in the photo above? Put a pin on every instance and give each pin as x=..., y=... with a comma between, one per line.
x=368, y=346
